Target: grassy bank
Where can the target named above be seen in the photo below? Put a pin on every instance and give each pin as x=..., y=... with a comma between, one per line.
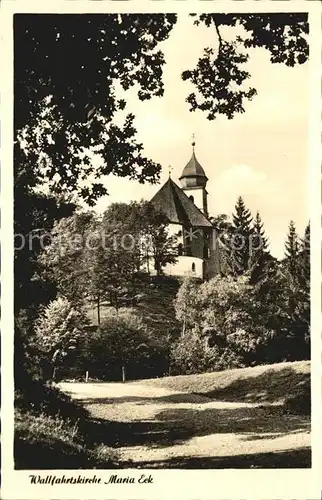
x=287, y=384
x=43, y=442
x=51, y=432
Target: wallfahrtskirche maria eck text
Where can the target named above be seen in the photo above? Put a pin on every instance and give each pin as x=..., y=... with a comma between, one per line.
x=113, y=479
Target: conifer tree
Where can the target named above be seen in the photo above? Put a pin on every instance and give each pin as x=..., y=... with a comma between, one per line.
x=240, y=241
x=296, y=300
x=292, y=249
x=304, y=260
x=259, y=233
x=260, y=257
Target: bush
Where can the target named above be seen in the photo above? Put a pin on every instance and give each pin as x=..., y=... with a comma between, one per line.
x=230, y=314
x=122, y=340
x=191, y=355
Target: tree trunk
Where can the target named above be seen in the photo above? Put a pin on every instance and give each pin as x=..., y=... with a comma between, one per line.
x=117, y=302
x=98, y=311
x=183, y=331
x=123, y=373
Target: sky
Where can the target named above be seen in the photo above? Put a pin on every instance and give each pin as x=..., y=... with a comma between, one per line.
x=260, y=155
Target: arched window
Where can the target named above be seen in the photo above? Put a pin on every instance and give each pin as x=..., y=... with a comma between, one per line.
x=191, y=198
x=193, y=267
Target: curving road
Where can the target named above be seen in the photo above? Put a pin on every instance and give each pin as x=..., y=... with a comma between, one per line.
x=156, y=427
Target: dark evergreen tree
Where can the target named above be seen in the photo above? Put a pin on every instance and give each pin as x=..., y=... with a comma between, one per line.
x=240, y=242
x=259, y=235
x=294, y=298
x=303, y=275
x=292, y=249
x=304, y=256
x=261, y=259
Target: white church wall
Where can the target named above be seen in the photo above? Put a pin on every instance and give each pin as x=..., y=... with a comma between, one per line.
x=197, y=194
x=185, y=266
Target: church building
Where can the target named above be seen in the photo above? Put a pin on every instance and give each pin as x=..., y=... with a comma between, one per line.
x=186, y=209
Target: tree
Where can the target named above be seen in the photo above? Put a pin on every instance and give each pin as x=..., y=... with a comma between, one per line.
x=58, y=121
x=225, y=313
x=285, y=306
x=58, y=330
x=305, y=258
x=74, y=114
x=261, y=259
x=292, y=248
x=191, y=354
x=186, y=305
x=241, y=252
x=157, y=242
x=296, y=272
x=96, y=259
x=223, y=233
x=122, y=348
x=34, y=217
x=259, y=233
x=220, y=76
x=63, y=257
x=142, y=232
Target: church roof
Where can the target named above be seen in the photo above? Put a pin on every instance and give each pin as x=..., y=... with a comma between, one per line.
x=178, y=208
x=193, y=168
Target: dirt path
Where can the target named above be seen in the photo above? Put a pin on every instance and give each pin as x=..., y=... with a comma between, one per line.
x=156, y=427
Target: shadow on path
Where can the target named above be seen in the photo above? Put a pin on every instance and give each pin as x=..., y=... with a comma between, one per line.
x=143, y=400
x=286, y=459
x=176, y=425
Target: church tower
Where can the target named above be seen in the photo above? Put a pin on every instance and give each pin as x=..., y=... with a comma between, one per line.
x=193, y=181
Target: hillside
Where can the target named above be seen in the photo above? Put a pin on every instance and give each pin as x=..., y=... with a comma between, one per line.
x=155, y=306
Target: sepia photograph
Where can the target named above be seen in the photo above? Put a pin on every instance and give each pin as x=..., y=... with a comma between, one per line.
x=162, y=294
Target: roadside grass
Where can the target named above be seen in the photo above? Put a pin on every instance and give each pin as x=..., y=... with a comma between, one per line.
x=51, y=432
x=286, y=384
x=44, y=442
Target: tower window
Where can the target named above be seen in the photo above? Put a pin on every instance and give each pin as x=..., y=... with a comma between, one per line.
x=191, y=198
x=193, y=267
x=180, y=249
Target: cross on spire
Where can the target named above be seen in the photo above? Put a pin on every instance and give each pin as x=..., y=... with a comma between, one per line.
x=170, y=170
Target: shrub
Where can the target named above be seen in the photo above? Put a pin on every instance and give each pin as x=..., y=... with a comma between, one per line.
x=191, y=354
x=122, y=340
x=227, y=312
